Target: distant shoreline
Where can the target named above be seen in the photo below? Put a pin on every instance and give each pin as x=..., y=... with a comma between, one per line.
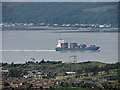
x=11, y=28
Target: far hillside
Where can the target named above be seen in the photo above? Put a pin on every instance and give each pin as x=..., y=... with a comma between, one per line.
x=61, y=12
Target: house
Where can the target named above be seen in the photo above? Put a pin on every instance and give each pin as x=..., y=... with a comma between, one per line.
x=70, y=73
x=5, y=72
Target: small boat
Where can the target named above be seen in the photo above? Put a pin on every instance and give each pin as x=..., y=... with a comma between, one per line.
x=63, y=46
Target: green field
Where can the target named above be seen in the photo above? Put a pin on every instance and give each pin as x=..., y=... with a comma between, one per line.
x=100, y=9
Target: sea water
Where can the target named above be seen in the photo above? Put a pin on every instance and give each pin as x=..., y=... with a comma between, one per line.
x=20, y=46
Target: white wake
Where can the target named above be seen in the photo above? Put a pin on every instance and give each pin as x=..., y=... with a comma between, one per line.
x=27, y=50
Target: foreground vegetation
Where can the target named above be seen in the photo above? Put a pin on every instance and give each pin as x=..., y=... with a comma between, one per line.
x=88, y=74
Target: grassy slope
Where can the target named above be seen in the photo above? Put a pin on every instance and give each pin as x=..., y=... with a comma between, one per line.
x=100, y=9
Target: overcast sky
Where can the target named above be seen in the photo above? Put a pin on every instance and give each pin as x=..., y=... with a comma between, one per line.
x=60, y=0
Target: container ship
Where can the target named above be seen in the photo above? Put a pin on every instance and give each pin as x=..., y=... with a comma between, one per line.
x=62, y=46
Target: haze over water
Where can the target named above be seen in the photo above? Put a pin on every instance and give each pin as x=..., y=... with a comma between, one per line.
x=20, y=46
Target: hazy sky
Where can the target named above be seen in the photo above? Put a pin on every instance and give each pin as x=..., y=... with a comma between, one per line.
x=60, y=0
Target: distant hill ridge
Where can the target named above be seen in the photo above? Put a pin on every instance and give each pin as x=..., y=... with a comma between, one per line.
x=61, y=12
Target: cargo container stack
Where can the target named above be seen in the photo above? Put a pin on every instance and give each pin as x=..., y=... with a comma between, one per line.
x=73, y=45
x=66, y=45
x=62, y=45
x=84, y=45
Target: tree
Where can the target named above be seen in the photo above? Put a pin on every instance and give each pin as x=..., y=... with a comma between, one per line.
x=79, y=71
x=42, y=61
x=4, y=64
x=30, y=85
x=95, y=70
x=12, y=64
x=24, y=83
x=16, y=72
x=6, y=83
x=62, y=84
x=41, y=87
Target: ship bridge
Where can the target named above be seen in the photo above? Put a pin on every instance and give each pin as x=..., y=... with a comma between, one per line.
x=59, y=42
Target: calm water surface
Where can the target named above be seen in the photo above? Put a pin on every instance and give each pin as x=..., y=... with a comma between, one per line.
x=41, y=45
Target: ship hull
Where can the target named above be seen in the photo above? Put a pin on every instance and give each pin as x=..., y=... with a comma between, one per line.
x=76, y=49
